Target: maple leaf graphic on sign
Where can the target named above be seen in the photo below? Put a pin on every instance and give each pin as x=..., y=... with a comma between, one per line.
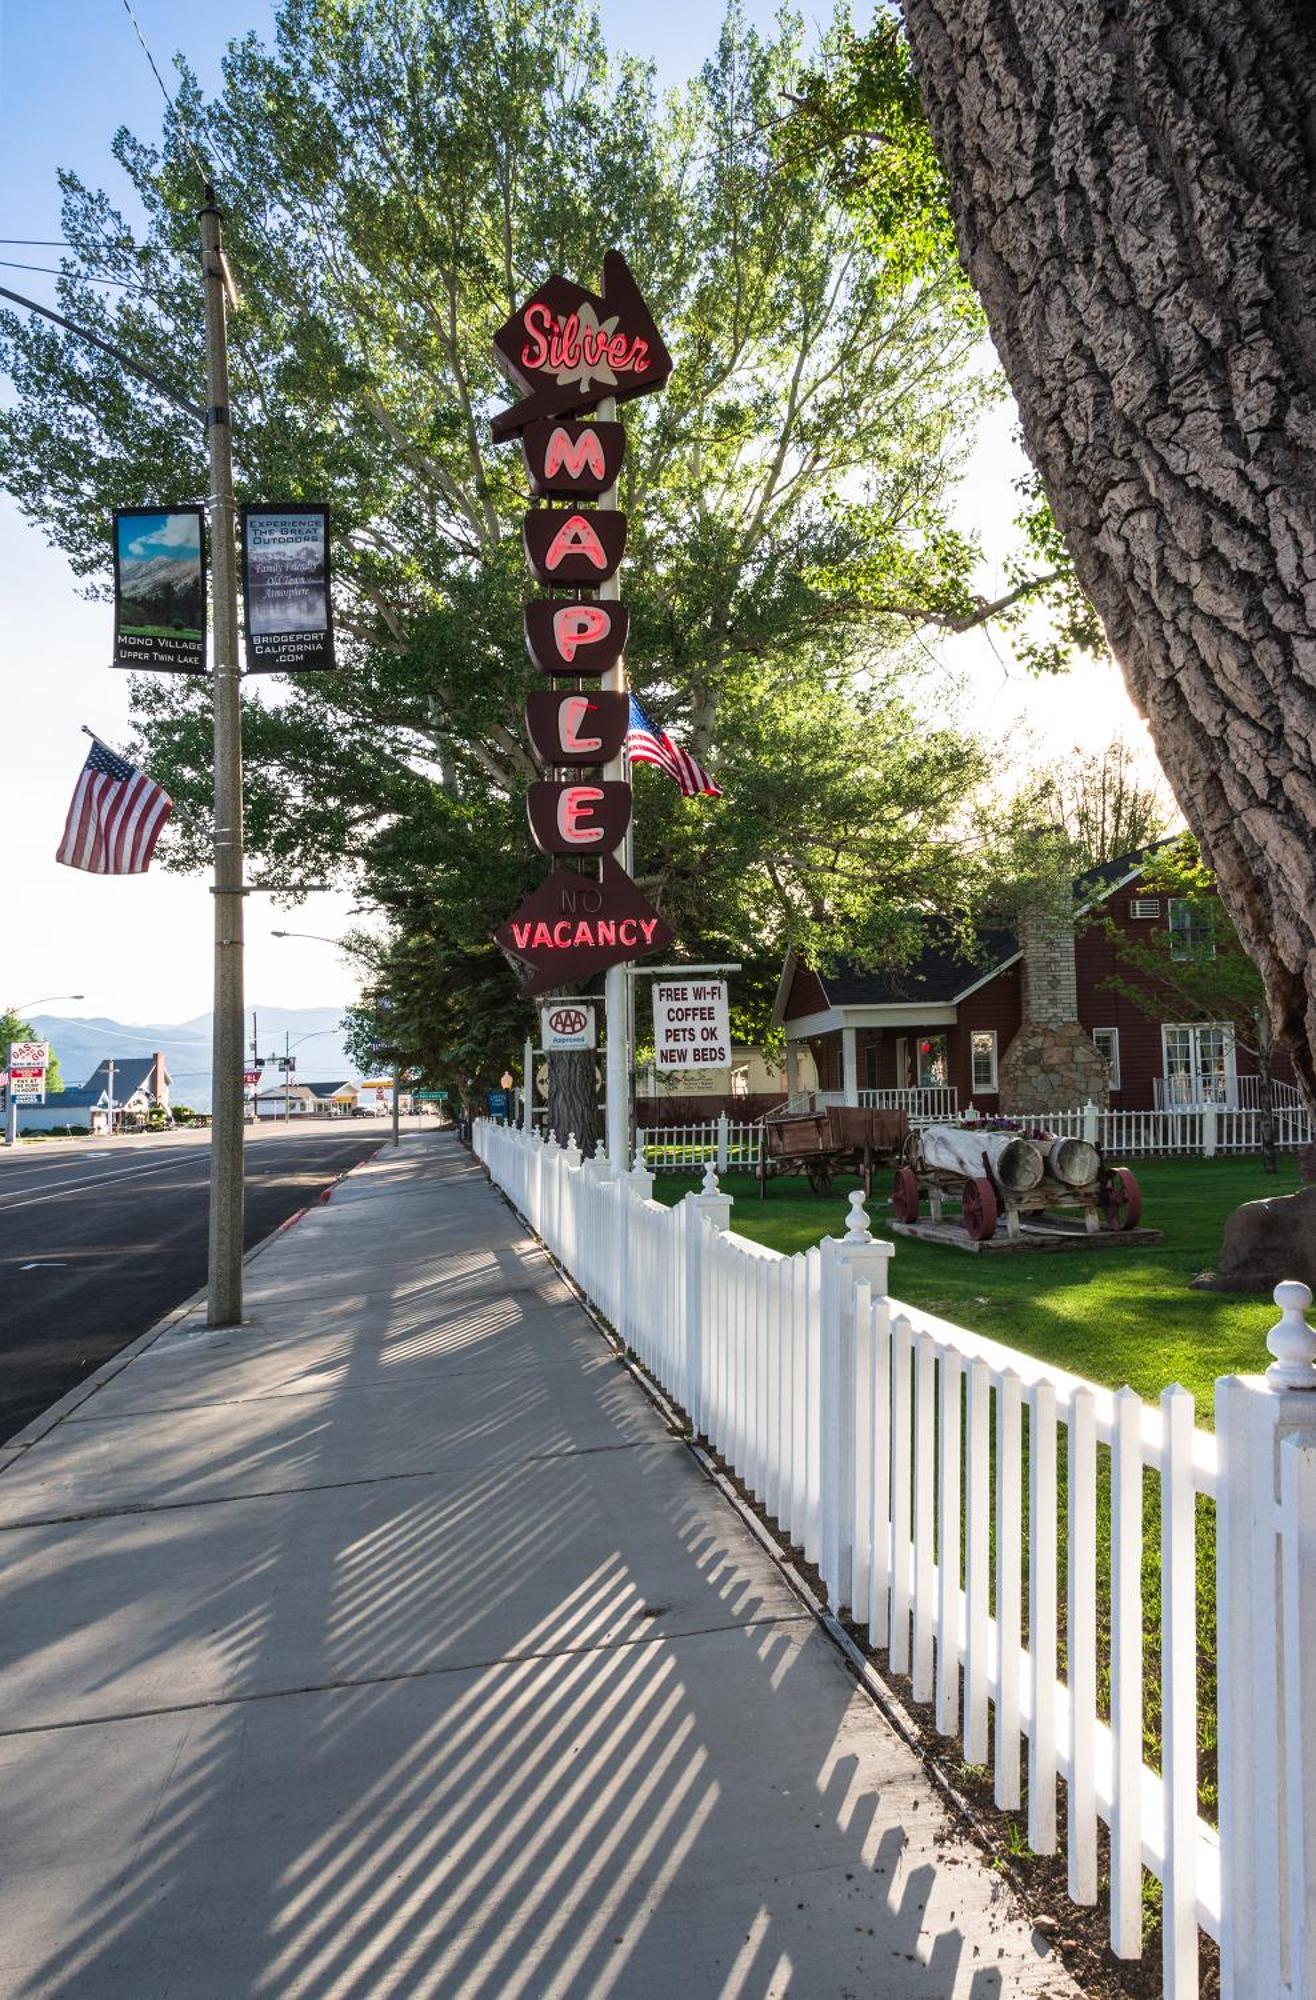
x=594, y=335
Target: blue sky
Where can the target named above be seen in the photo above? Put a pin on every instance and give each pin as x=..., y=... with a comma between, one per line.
x=140, y=949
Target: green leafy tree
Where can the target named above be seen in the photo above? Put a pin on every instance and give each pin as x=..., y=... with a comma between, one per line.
x=396, y=179
x=13, y=1028
x=1202, y=967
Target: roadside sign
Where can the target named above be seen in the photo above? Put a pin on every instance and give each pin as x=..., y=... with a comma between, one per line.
x=27, y=1072
x=567, y=1024
x=497, y=1101
x=250, y=1076
x=691, y=1028
x=431, y=1097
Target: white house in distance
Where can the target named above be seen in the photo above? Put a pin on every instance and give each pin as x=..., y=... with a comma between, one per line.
x=120, y=1091
x=335, y=1099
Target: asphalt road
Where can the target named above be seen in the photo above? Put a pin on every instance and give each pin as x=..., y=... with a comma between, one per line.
x=96, y=1243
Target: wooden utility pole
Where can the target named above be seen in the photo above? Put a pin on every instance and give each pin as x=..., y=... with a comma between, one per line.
x=224, y=1295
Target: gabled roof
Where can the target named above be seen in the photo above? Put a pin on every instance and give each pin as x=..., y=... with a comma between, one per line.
x=131, y=1074
x=945, y=970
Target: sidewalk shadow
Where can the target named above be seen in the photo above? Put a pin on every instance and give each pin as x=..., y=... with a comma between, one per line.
x=581, y=1819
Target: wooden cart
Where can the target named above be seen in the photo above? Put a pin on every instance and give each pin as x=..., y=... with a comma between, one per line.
x=841, y=1138
x=994, y=1174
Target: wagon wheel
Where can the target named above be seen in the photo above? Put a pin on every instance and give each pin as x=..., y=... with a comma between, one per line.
x=1121, y=1200
x=904, y=1195
x=820, y=1176
x=978, y=1204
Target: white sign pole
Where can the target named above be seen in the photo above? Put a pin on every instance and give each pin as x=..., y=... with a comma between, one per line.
x=616, y=986
x=528, y=1087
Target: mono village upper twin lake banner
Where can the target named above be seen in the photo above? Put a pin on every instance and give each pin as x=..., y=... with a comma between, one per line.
x=160, y=589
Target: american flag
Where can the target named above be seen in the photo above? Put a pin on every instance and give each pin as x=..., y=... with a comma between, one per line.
x=115, y=819
x=647, y=744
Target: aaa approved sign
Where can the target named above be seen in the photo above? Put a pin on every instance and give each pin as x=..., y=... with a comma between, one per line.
x=567, y=1024
x=691, y=1029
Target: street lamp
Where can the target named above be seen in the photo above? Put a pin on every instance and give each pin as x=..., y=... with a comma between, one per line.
x=354, y=951
x=46, y=1000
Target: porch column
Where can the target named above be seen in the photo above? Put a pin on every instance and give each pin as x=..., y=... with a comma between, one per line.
x=850, y=1064
x=793, y=1068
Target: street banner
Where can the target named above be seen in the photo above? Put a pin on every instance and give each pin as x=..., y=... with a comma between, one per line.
x=691, y=1027
x=160, y=589
x=566, y=1024
x=285, y=588
x=28, y=1062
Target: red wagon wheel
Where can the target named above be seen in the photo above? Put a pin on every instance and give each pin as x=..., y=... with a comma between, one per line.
x=978, y=1206
x=904, y=1195
x=1121, y=1200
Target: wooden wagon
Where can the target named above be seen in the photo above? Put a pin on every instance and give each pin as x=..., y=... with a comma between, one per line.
x=840, y=1138
x=994, y=1174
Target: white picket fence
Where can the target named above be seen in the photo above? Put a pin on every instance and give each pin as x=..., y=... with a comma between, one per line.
x=681, y=1149
x=919, y=1465
x=1205, y=1132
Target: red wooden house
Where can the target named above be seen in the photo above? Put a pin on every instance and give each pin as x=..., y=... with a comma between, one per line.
x=1026, y=1020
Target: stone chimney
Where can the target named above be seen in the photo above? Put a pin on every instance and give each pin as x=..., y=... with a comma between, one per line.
x=1052, y=1064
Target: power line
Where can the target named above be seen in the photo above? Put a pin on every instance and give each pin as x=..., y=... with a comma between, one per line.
x=52, y=271
x=197, y=161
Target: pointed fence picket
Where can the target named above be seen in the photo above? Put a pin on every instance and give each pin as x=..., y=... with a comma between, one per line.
x=934, y=1476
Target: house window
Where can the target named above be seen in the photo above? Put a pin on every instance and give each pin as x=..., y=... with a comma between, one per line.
x=982, y=1047
x=1108, y=1045
x=1199, y=1064
x=1192, y=930
x=933, y=1068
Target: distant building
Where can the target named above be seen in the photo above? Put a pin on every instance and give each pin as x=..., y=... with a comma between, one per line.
x=308, y=1100
x=119, y=1094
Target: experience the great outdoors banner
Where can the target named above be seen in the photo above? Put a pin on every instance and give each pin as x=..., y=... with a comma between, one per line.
x=285, y=585
x=160, y=589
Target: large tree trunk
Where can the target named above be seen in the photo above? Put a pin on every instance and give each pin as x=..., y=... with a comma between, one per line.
x=1132, y=187
x=573, y=1098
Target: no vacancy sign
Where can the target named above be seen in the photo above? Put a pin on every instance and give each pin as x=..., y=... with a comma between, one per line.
x=691, y=1029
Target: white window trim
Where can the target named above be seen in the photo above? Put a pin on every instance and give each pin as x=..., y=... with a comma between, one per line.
x=1226, y=1028
x=1184, y=931
x=991, y=1089
x=1113, y=1059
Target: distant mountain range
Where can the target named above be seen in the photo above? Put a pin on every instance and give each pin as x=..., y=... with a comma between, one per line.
x=141, y=578
x=83, y=1041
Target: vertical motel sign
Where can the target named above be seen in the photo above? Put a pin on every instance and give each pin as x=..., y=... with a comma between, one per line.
x=566, y=350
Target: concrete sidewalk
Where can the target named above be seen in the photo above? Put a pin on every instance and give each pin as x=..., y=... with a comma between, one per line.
x=389, y=1645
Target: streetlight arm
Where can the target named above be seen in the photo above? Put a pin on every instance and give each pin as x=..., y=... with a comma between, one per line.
x=116, y=354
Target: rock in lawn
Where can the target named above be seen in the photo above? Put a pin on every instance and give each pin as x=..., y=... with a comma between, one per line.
x=1266, y=1241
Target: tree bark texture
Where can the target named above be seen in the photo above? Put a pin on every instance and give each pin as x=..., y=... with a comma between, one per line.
x=1132, y=186
x=573, y=1098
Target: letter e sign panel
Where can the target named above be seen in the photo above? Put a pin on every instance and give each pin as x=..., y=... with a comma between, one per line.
x=575, y=638
x=576, y=725
x=580, y=817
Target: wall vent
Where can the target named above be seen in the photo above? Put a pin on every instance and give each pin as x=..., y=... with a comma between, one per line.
x=1145, y=907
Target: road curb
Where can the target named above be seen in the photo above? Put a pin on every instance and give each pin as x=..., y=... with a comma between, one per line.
x=41, y=1426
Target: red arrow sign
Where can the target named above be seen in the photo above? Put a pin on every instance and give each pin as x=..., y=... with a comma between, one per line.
x=567, y=348
x=571, y=926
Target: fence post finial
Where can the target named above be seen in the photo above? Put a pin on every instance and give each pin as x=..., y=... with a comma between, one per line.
x=710, y=1180
x=857, y=1229
x=1291, y=1340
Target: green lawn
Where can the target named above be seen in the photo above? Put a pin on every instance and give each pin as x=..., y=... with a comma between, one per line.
x=1114, y=1316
